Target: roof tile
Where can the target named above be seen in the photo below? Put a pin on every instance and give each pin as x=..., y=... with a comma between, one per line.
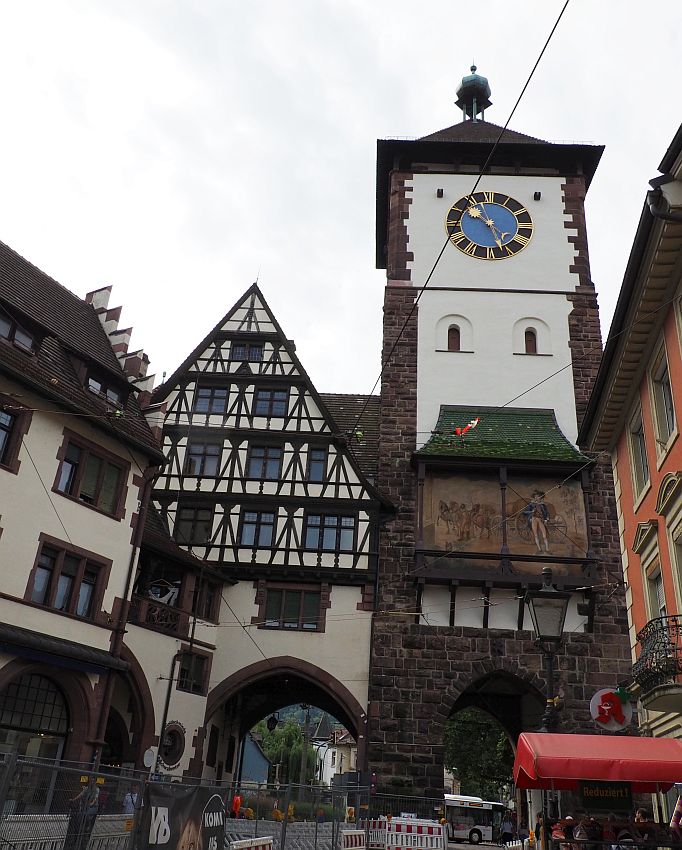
x=507, y=433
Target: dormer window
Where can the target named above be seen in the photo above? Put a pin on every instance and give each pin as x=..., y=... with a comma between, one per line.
x=104, y=390
x=251, y=351
x=14, y=332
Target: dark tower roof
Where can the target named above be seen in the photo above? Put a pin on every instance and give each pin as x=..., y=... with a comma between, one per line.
x=473, y=95
x=464, y=148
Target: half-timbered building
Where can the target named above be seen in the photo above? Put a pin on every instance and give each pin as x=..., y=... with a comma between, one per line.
x=261, y=485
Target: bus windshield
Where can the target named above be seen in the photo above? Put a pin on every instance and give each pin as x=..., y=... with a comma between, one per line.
x=472, y=819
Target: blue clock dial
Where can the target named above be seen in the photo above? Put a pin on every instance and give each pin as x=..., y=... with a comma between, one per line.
x=489, y=226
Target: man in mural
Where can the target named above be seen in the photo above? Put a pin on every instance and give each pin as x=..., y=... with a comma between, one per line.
x=537, y=516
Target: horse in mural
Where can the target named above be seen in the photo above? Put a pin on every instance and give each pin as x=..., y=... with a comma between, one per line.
x=467, y=522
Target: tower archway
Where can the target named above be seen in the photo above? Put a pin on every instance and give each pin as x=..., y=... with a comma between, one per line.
x=261, y=689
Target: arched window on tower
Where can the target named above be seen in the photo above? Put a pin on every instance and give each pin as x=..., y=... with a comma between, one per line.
x=530, y=341
x=454, y=338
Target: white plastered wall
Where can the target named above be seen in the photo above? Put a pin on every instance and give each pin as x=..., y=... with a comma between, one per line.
x=495, y=297
x=26, y=511
x=343, y=647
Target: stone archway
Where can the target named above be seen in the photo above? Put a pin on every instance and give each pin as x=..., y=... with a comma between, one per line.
x=512, y=695
x=494, y=686
x=267, y=686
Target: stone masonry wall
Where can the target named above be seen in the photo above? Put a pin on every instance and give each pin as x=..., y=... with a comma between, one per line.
x=418, y=672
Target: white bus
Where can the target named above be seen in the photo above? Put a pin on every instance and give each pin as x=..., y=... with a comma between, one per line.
x=472, y=819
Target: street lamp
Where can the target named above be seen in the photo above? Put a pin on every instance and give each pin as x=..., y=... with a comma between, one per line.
x=548, y=608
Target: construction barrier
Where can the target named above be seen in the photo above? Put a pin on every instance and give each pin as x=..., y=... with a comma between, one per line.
x=353, y=838
x=420, y=834
x=261, y=843
x=376, y=832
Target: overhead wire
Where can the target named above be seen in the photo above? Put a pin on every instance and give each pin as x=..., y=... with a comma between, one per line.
x=487, y=162
x=116, y=414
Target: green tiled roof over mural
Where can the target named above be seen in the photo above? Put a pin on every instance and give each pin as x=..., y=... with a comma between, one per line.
x=507, y=433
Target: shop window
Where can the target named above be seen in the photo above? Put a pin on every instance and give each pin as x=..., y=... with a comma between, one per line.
x=33, y=702
x=90, y=475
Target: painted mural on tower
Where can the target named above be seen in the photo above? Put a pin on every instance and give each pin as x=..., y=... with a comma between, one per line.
x=544, y=517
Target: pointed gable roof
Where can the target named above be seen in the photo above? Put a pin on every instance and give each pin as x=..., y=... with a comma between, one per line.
x=245, y=317
x=241, y=318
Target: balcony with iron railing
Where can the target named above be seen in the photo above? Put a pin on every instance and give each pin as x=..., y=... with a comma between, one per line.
x=658, y=668
x=159, y=617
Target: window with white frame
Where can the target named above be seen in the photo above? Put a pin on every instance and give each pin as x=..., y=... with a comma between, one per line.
x=640, y=464
x=656, y=591
x=664, y=408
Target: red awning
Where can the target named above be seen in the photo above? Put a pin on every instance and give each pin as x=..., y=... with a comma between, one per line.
x=559, y=761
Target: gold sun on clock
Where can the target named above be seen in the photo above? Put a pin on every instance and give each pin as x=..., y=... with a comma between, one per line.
x=489, y=226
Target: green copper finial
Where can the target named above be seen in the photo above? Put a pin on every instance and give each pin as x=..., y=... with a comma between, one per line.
x=473, y=95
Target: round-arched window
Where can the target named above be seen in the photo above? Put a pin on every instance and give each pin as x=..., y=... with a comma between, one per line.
x=531, y=341
x=454, y=338
x=33, y=703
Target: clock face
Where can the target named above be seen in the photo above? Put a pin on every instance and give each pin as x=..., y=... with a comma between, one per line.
x=489, y=226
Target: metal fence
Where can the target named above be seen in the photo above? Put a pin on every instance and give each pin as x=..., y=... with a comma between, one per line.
x=48, y=806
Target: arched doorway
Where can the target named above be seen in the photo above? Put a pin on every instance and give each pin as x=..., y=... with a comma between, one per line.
x=478, y=755
x=484, y=724
x=260, y=691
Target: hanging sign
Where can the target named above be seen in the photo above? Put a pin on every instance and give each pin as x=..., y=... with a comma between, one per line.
x=606, y=796
x=611, y=710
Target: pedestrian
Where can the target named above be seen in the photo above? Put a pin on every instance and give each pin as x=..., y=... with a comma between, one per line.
x=644, y=829
x=676, y=820
x=83, y=808
x=131, y=801
x=506, y=828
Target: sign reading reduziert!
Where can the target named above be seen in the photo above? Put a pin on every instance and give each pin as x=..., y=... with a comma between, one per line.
x=181, y=817
x=606, y=796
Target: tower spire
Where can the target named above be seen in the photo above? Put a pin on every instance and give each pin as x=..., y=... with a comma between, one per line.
x=473, y=96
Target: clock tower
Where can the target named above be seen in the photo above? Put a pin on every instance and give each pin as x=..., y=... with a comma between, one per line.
x=491, y=345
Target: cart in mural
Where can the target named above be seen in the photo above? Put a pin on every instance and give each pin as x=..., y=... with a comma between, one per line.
x=555, y=525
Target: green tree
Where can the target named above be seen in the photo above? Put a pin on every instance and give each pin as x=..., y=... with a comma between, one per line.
x=479, y=753
x=284, y=746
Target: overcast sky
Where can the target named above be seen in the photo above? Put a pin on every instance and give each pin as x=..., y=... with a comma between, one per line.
x=178, y=150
